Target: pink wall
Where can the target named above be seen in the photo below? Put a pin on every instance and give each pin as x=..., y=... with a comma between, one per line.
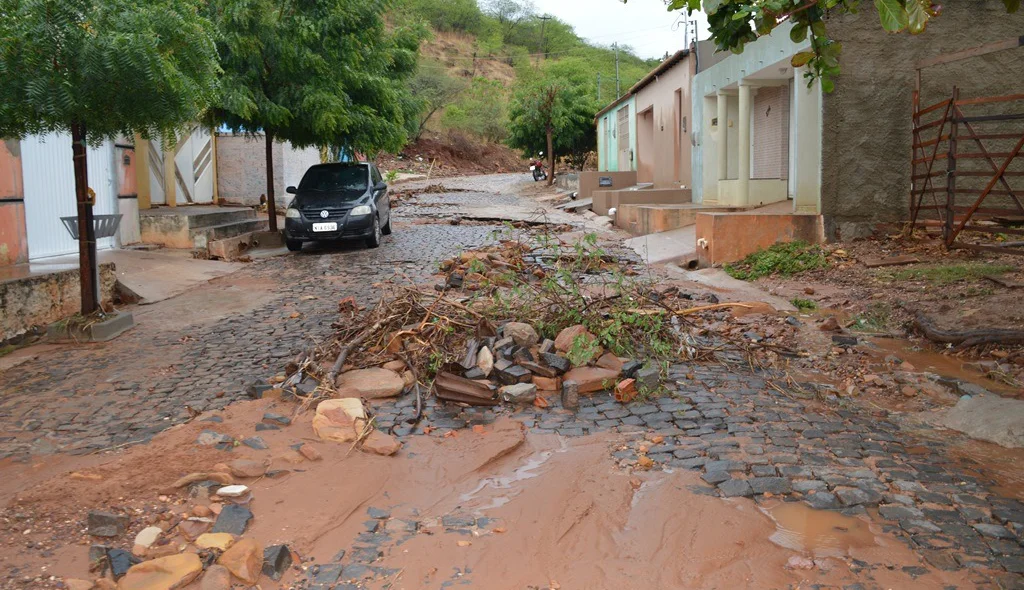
x=664, y=157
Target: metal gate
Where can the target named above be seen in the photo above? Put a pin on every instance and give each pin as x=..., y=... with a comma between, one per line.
x=193, y=168
x=48, y=171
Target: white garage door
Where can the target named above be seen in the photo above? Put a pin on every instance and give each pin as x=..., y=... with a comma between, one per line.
x=50, y=191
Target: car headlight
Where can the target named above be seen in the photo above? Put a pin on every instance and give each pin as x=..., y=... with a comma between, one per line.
x=292, y=214
x=361, y=210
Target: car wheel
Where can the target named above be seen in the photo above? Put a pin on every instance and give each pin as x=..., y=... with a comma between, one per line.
x=293, y=245
x=386, y=230
x=374, y=240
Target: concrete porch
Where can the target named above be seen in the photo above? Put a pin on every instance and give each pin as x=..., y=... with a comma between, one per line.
x=727, y=237
x=197, y=225
x=643, y=219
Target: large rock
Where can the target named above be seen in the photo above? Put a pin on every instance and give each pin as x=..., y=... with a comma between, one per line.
x=591, y=379
x=522, y=334
x=372, y=383
x=165, y=573
x=566, y=337
x=381, y=443
x=246, y=468
x=244, y=560
x=217, y=577
x=339, y=420
x=990, y=418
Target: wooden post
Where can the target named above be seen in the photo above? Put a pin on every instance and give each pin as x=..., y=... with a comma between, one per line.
x=142, y=148
x=213, y=163
x=271, y=205
x=86, y=231
x=170, y=181
x=915, y=139
x=947, y=228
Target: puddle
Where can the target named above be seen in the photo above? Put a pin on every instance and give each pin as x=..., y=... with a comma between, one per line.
x=821, y=533
x=999, y=463
x=940, y=364
x=528, y=470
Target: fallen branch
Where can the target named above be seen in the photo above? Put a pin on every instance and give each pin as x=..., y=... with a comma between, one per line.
x=715, y=306
x=340, y=361
x=966, y=338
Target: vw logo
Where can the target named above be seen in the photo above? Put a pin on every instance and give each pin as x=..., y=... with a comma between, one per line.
x=324, y=214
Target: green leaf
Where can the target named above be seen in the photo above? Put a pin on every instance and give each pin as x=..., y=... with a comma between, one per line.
x=801, y=59
x=918, y=14
x=827, y=84
x=1012, y=5
x=818, y=28
x=892, y=14
x=798, y=33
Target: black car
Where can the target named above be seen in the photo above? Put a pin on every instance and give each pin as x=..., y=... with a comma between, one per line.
x=339, y=201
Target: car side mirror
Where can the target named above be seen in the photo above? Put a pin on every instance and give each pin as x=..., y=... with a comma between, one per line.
x=380, y=186
x=291, y=190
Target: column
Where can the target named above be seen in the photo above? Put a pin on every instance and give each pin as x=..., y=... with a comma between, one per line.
x=806, y=148
x=723, y=135
x=743, y=146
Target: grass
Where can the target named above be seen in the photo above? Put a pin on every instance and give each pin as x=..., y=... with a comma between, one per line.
x=803, y=304
x=875, y=318
x=945, y=274
x=6, y=349
x=784, y=259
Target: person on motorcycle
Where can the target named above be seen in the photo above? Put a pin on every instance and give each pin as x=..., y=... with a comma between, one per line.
x=537, y=168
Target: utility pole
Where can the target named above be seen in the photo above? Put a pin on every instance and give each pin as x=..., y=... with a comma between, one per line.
x=543, y=21
x=618, y=92
x=599, y=87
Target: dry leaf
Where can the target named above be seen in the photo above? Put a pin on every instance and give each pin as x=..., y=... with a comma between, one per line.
x=540, y=402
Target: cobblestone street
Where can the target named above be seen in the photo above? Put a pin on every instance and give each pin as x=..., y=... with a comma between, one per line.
x=726, y=423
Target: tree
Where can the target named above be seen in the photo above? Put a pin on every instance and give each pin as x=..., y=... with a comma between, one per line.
x=314, y=73
x=553, y=113
x=100, y=70
x=509, y=14
x=480, y=110
x=734, y=23
x=434, y=90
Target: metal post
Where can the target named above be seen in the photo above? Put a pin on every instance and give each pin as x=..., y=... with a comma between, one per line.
x=543, y=21
x=618, y=92
x=271, y=205
x=947, y=228
x=87, y=268
x=599, y=87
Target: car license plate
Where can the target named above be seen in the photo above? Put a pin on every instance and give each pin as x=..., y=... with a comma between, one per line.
x=332, y=226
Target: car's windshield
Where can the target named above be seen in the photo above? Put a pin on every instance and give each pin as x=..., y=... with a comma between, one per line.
x=351, y=180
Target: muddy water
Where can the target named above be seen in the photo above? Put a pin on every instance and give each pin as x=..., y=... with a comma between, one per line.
x=1000, y=463
x=821, y=533
x=942, y=365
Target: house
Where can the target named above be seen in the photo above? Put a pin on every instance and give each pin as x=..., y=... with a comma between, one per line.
x=799, y=163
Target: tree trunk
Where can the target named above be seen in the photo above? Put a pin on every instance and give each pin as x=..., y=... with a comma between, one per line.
x=86, y=229
x=271, y=204
x=551, y=159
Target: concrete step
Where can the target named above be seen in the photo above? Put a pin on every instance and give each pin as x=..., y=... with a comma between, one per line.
x=202, y=236
x=175, y=227
x=237, y=246
x=221, y=217
x=641, y=219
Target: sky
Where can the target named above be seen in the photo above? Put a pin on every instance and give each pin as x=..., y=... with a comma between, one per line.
x=646, y=25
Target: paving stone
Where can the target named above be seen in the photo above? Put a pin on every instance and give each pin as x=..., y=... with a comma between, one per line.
x=994, y=531
x=772, y=485
x=858, y=497
x=715, y=477
x=735, y=487
x=899, y=512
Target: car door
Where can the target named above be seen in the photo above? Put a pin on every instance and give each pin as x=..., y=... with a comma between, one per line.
x=383, y=201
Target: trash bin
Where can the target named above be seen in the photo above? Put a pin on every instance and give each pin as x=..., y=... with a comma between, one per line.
x=104, y=225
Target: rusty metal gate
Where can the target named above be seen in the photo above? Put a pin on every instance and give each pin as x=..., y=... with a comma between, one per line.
x=967, y=166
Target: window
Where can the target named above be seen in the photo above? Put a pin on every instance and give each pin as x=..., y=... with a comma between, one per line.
x=347, y=179
x=375, y=175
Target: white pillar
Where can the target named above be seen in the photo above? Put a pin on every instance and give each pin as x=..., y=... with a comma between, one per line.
x=743, y=146
x=723, y=136
x=806, y=149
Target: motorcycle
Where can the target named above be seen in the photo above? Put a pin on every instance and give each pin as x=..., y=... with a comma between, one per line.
x=537, y=168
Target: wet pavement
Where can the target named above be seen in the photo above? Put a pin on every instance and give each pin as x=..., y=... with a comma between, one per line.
x=743, y=437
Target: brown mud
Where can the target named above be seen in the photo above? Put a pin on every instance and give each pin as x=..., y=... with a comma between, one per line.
x=563, y=515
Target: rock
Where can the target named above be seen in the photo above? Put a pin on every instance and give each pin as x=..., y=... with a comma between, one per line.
x=547, y=383
x=75, y=584
x=522, y=355
x=217, y=577
x=309, y=452
x=547, y=345
x=244, y=560
x=105, y=584
x=610, y=361
x=209, y=438
x=255, y=442
x=276, y=419
x=591, y=379
x=372, y=383
x=629, y=368
x=559, y=363
x=165, y=573
x=519, y=393
x=98, y=561
x=822, y=500
x=191, y=478
x=396, y=366
x=381, y=443
x=520, y=333
x=191, y=528
x=339, y=420
x=799, y=562
x=648, y=379
x=994, y=531
x=625, y=391
x=218, y=541
x=235, y=491
x=145, y=539
x=106, y=524
x=735, y=487
x=485, y=361
x=512, y=374
x=566, y=337
x=120, y=562
x=570, y=394
x=831, y=324
x=770, y=485
x=234, y=519
x=503, y=344
x=990, y=418
x=844, y=341
x=246, y=468
x=276, y=561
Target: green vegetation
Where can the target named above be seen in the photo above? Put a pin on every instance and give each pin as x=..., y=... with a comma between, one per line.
x=734, y=23
x=481, y=110
x=875, y=318
x=803, y=304
x=944, y=274
x=784, y=259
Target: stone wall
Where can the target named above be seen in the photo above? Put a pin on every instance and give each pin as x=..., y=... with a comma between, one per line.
x=42, y=299
x=867, y=131
x=241, y=168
